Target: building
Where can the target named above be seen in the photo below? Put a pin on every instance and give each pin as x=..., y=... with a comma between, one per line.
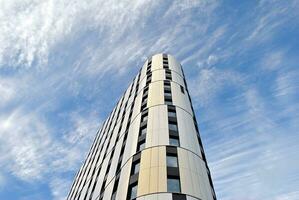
x=149, y=148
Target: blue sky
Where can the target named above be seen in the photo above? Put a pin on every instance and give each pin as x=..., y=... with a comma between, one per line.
x=64, y=64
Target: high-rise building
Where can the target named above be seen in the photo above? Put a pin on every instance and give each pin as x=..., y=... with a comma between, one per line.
x=149, y=148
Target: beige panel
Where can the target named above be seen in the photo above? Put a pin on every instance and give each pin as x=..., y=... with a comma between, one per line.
x=101, y=157
x=142, y=84
x=131, y=143
x=137, y=106
x=162, y=183
x=157, y=62
x=123, y=128
x=124, y=181
x=155, y=94
x=157, y=126
x=187, y=132
x=145, y=161
x=186, y=182
x=143, y=182
x=150, y=138
x=196, y=185
x=205, y=182
x=180, y=99
x=113, y=138
x=162, y=156
x=185, y=173
x=143, y=70
x=108, y=191
x=193, y=175
x=99, y=184
x=164, y=196
x=154, y=178
x=154, y=172
x=114, y=162
x=174, y=64
x=155, y=157
x=178, y=79
x=158, y=75
x=162, y=126
x=144, y=173
x=183, y=158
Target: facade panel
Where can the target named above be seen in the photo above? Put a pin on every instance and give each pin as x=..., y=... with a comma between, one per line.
x=149, y=148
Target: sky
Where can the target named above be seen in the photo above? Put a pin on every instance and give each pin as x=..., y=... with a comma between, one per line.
x=64, y=65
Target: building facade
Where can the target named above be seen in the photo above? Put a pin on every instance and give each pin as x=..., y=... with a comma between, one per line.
x=149, y=148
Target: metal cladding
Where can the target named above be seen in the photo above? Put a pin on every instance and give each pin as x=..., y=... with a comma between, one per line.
x=149, y=148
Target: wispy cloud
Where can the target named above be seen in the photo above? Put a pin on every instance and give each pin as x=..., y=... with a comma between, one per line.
x=55, y=58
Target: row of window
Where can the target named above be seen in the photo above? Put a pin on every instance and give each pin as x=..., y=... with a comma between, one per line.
x=84, y=176
x=132, y=189
x=109, y=121
x=118, y=169
x=173, y=177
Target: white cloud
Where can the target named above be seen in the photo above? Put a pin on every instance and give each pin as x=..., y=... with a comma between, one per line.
x=210, y=81
x=286, y=85
x=251, y=148
x=25, y=138
x=273, y=60
x=60, y=188
x=33, y=153
x=89, y=39
x=7, y=92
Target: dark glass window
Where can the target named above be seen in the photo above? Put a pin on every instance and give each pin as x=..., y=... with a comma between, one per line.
x=113, y=196
x=135, y=167
x=143, y=131
x=144, y=118
x=141, y=146
x=174, y=142
x=168, y=102
x=132, y=192
x=171, y=114
x=182, y=89
x=167, y=87
x=173, y=127
x=173, y=185
x=167, y=94
x=172, y=161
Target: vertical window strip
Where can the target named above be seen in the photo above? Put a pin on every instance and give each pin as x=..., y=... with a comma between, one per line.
x=80, y=187
x=125, y=140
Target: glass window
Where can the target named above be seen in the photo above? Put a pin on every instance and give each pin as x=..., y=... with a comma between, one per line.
x=113, y=196
x=141, y=146
x=173, y=127
x=172, y=161
x=144, y=118
x=182, y=89
x=136, y=167
x=167, y=87
x=133, y=192
x=173, y=185
x=174, y=142
x=168, y=102
x=168, y=94
x=171, y=114
x=143, y=131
